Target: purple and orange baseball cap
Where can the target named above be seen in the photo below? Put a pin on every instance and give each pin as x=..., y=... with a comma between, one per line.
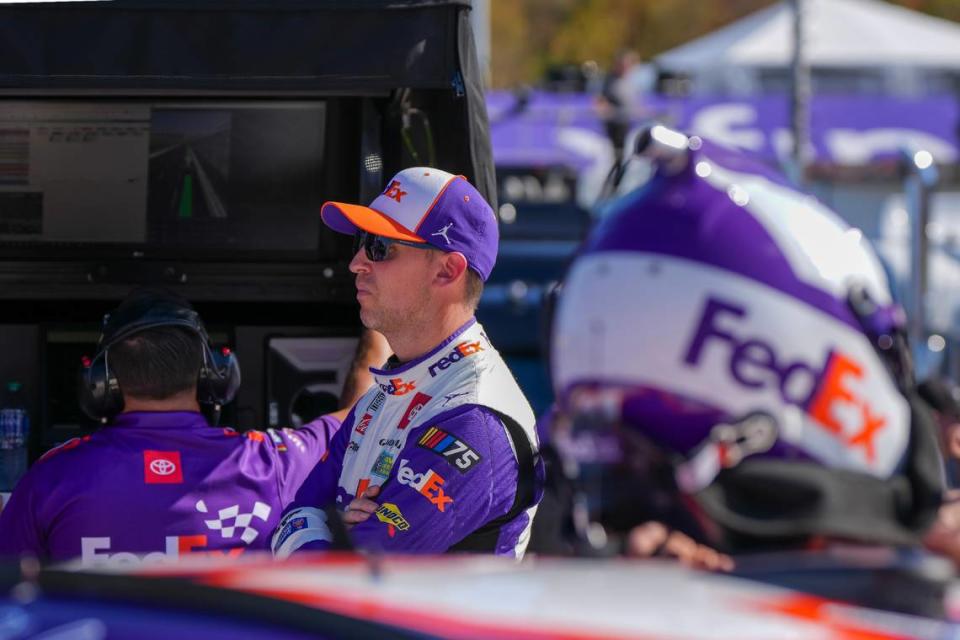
x=427, y=205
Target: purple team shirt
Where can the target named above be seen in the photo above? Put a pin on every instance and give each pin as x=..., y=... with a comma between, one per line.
x=156, y=486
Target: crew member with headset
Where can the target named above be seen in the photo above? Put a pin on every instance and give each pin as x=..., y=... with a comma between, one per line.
x=158, y=481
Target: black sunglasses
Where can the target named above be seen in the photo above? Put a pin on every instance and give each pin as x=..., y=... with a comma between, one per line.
x=376, y=247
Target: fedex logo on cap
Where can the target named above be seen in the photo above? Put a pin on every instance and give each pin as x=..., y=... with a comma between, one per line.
x=826, y=391
x=394, y=191
x=412, y=194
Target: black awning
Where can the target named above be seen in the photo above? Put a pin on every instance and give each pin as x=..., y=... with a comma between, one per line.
x=352, y=46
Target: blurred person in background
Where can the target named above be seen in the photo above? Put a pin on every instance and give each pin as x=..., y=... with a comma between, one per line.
x=618, y=102
x=943, y=397
x=158, y=480
x=730, y=366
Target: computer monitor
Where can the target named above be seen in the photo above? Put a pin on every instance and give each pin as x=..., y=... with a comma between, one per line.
x=163, y=178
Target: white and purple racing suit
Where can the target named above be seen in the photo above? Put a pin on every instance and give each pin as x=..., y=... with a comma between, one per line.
x=450, y=440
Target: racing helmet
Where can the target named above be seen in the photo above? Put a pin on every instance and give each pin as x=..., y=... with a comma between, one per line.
x=725, y=344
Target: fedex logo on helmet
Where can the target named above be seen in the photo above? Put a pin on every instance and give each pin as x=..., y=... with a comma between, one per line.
x=825, y=390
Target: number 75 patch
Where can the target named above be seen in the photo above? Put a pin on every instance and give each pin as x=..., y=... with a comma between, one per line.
x=457, y=452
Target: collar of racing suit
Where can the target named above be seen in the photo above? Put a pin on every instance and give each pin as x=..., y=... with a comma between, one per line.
x=464, y=369
x=160, y=420
x=394, y=366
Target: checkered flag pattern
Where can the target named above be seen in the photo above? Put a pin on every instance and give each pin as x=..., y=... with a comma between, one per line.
x=229, y=520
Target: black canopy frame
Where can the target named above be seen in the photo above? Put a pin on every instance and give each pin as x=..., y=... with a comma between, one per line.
x=366, y=54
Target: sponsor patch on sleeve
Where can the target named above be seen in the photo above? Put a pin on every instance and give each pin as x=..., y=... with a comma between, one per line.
x=298, y=528
x=297, y=524
x=456, y=452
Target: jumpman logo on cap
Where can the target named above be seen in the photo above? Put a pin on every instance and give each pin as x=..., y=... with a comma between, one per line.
x=443, y=232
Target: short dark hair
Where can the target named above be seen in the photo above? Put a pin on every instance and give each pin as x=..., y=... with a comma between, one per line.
x=157, y=363
x=474, y=283
x=474, y=289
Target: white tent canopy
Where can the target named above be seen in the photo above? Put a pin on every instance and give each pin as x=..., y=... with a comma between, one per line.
x=842, y=34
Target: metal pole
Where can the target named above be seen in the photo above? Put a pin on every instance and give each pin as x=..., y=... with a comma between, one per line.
x=921, y=178
x=800, y=89
x=480, y=18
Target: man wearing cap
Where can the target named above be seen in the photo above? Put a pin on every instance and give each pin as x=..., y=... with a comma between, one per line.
x=441, y=454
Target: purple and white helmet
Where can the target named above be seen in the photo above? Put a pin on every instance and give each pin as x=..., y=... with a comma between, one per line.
x=747, y=332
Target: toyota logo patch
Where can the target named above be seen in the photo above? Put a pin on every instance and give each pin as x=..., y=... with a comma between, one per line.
x=162, y=467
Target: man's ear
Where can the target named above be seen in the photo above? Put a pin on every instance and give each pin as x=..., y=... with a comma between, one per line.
x=451, y=266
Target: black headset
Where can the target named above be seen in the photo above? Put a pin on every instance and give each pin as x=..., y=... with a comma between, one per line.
x=98, y=390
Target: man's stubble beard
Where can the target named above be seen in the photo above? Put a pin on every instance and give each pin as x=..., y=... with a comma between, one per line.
x=400, y=321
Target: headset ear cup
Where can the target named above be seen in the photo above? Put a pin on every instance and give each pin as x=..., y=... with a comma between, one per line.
x=98, y=392
x=219, y=378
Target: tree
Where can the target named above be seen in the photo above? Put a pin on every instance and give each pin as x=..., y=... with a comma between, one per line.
x=529, y=36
